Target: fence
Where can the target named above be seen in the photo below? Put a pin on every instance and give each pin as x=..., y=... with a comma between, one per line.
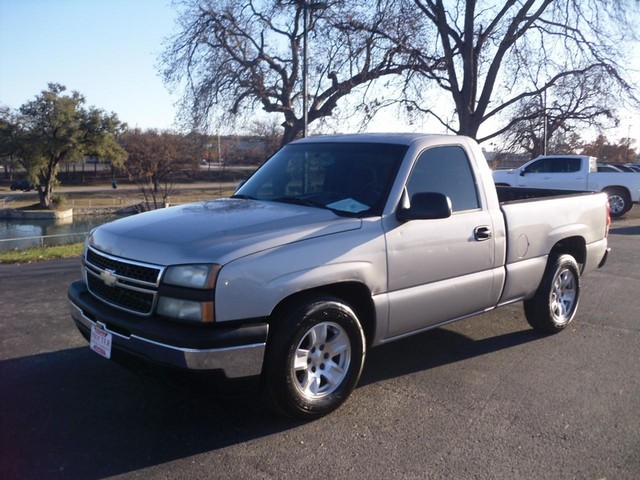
x=22, y=243
x=132, y=200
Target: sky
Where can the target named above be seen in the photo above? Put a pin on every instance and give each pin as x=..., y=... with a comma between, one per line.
x=105, y=49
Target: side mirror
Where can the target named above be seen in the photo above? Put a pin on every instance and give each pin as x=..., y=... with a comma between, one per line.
x=424, y=206
x=522, y=172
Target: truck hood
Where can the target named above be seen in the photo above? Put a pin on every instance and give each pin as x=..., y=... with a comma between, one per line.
x=217, y=231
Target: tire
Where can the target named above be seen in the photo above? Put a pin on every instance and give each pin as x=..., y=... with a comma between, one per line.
x=315, y=357
x=555, y=302
x=619, y=201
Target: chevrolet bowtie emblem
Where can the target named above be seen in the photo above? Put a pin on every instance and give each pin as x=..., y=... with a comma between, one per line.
x=108, y=278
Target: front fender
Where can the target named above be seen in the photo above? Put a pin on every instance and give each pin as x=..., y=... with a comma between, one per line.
x=252, y=286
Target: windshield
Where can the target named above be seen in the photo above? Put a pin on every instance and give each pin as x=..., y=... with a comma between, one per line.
x=348, y=178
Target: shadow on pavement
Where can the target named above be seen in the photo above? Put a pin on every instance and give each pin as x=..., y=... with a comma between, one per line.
x=432, y=349
x=71, y=414
x=626, y=230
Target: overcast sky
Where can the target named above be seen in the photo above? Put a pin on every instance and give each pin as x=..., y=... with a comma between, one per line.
x=105, y=49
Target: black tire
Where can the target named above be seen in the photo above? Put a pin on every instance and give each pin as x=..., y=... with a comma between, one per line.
x=619, y=201
x=555, y=302
x=324, y=335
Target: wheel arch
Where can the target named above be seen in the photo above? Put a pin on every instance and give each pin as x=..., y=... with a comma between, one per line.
x=355, y=294
x=622, y=188
x=574, y=246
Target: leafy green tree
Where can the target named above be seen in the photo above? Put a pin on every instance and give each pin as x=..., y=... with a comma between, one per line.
x=8, y=140
x=55, y=128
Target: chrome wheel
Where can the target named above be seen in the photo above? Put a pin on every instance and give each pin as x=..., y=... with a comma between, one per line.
x=555, y=303
x=563, y=296
x=321, y=360
x=314, y=357
x=617, y=204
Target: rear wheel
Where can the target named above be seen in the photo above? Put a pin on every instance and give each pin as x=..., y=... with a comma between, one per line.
x=555, y=302
x=315, y=357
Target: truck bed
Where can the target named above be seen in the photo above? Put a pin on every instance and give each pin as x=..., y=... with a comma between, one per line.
x=519, y=194
x=538, y=220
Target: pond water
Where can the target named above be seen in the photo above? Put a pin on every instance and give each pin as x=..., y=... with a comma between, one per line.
x=24, y=233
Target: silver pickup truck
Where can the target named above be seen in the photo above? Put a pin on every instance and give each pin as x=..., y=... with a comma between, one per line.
x=335, y=245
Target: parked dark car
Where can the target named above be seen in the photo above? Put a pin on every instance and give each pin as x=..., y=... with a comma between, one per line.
x=625, y=168
x=22, y=185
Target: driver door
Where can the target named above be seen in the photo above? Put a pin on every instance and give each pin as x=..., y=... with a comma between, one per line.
x=440, y=269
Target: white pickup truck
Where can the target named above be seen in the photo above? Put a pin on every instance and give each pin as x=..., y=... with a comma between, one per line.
x=335, y=245
x=575, y=172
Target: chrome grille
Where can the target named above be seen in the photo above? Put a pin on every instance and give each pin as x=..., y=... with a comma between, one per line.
x=122, y=283
x=134, y=271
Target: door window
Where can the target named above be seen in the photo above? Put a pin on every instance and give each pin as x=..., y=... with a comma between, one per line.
x=554, y=165
x=445, y=170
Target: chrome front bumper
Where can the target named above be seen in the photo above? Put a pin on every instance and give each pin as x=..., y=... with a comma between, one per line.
x=234, y=362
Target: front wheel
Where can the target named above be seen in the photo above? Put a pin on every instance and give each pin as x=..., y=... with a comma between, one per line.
x=315, y=357
x=555, y=302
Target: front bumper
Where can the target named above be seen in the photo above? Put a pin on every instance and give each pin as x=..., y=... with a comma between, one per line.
x=604, y=257
x=236, y=351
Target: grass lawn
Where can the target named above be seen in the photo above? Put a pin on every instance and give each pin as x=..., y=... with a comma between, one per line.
x=41, y=254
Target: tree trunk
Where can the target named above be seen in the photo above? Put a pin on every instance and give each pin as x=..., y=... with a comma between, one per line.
x=289, y=135
x=469, y=125
x=46, y=178
x=45, y=193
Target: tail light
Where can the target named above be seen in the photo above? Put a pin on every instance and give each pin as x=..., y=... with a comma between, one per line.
x=606, y=231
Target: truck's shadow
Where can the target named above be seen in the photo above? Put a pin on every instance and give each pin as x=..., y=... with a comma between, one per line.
x=433, y=349
x=626, y=230
x=70, y=414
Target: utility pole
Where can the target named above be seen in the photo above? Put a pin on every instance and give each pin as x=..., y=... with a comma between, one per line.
x=305, y=53
x=306, y=6
x=544, y=122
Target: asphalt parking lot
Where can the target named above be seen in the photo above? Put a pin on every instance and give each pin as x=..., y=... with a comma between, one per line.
x=485, y=398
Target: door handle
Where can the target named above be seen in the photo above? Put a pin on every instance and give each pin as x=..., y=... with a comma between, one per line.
x=482, y=233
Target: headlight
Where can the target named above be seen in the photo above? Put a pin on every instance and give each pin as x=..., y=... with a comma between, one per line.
x=187, y=292
x=83, y=269
x=185, y=310
x=192, y=276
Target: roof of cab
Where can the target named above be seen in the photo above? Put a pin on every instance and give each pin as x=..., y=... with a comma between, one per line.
x=399, y=138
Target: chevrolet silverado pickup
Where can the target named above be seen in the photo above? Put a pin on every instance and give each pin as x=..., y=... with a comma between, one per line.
x=335, y=245
x=575, y=172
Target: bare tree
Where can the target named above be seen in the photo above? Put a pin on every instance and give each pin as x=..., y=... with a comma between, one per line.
x=238, y=55
x=607, y=151
x=575, y=103
x=496, y=55
x=270, y=133
x=154, y=158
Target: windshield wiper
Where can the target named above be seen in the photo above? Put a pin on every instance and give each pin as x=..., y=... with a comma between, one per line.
x=300, y=201
x=243, y=197
x=310, y=203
